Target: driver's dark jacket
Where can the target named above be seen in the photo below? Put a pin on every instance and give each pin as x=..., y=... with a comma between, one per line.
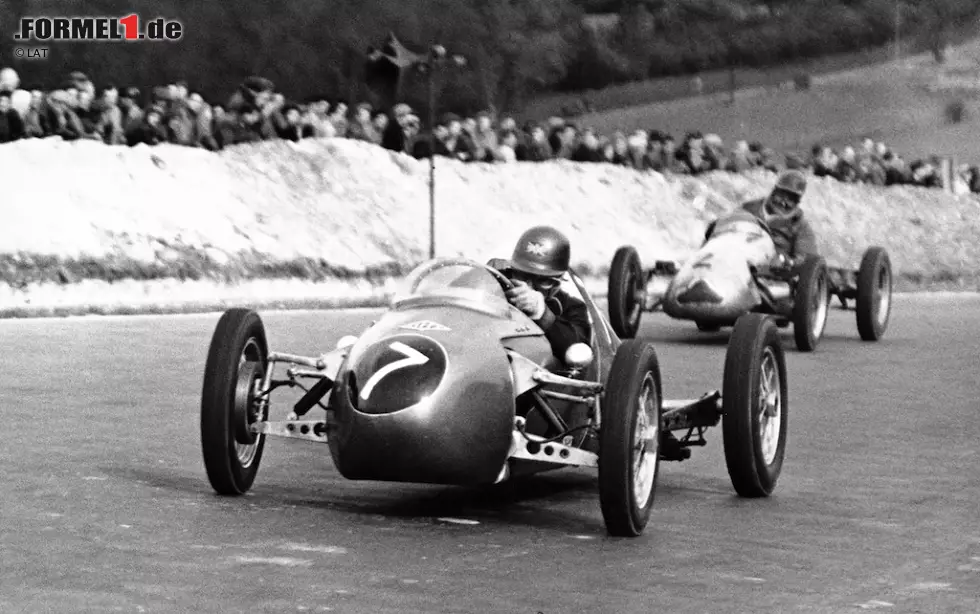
x=793, y=236
x=565, y=322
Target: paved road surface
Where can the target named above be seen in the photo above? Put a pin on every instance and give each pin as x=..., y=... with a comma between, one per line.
x=105, y=505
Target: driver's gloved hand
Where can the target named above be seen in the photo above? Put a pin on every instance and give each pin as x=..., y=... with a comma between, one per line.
x=780, y=261
x=527, y=299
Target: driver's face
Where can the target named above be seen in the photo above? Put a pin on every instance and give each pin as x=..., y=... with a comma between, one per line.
x=544, y=285
x=782, y=201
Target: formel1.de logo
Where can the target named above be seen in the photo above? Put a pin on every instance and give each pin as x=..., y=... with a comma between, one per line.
x=107, y=29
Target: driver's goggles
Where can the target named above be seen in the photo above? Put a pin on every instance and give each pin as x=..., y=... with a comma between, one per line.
x=784, y=201
x=544, y=284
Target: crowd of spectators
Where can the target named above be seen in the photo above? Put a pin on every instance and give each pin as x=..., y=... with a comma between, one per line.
x=175, y=114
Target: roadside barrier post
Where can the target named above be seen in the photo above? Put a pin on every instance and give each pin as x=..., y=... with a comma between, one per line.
x=436, y=60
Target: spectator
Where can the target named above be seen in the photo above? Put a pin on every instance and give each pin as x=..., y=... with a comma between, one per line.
x=587, y=149
x=563, y=141
x=507, y=149
x=620, y=150
x=35, y=121
x=362, y=129
x=714, y=153
x=847, y=166
x=458, y=143
x=393, y=137
x=484, y=138
x=379, y=119
x=740, y=160
x=539, y=149
x=151, y=129
x=108, y=118
x=20, y=100
x=338, y=117
x=11, y=125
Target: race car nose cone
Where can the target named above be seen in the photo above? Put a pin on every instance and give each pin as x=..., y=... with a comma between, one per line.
x=699, y=292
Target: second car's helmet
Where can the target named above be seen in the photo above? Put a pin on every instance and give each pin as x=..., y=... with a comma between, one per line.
x=542, y=251
x=784, y=201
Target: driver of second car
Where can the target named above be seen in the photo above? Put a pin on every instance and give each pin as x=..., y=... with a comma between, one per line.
x=540, y=258
x=782, y=213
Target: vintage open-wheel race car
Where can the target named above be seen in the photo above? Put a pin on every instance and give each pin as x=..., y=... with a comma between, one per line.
x=732, y=274
x=455, y=386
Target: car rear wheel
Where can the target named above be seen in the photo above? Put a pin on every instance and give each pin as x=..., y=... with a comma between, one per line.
x=230, y=403
x=874, y=294
x=755, y=406
x=626, y=285
x=811, y=301
x=629, y=439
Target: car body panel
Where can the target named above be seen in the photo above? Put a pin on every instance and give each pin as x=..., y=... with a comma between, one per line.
x=716, y=285
x=445, y=413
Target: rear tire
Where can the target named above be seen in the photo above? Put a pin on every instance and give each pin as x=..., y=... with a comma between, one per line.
x=626, y=284
x=629, y=439
x=754, y=428
x=236, y=365
x=874, y=294
x=811, y=301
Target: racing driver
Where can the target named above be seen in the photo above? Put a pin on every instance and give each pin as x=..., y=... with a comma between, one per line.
x=540, y=258
x=781, y=211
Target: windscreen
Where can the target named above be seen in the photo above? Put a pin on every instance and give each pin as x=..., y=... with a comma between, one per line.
x=453, y=280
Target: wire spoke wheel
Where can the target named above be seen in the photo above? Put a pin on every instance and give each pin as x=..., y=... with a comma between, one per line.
x=646, y=442
x=755, y=406
x=629, y=439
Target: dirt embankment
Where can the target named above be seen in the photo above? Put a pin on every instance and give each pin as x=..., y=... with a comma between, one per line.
x=90, y=228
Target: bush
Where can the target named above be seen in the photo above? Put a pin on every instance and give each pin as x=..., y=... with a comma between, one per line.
x=802, y=81
x=596, y=65
x=955, y=111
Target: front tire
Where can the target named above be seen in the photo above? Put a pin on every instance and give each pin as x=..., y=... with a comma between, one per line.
x=629, y=439
x=755, y=405
x=811, y=302
x=233, y=375
x=626, y=284
x=874, y=294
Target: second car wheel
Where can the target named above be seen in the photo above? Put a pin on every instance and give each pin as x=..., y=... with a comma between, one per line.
x=811, y=301
x=874, y=294
x=625, y=297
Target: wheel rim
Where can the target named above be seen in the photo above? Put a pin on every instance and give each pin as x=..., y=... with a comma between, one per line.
x=646, y=441
x=884, y=296
x=820, y=305
x=770, y=406
x=246, y=453
x=632, y=297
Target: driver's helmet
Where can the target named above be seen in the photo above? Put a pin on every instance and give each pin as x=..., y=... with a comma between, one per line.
x=784, y=201
x=541, y=257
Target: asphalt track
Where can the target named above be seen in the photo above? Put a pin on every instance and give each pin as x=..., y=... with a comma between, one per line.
x=104, y=505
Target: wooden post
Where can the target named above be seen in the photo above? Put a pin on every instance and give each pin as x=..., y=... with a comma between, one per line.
x=732, y=84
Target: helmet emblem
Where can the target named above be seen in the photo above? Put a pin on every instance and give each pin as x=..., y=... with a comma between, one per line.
x=538, y=249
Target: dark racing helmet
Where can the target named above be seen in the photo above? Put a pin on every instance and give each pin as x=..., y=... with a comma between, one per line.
x=542, y=251
x=784, y=201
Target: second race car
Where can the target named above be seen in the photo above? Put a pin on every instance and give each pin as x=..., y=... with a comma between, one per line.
x=732, y=274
